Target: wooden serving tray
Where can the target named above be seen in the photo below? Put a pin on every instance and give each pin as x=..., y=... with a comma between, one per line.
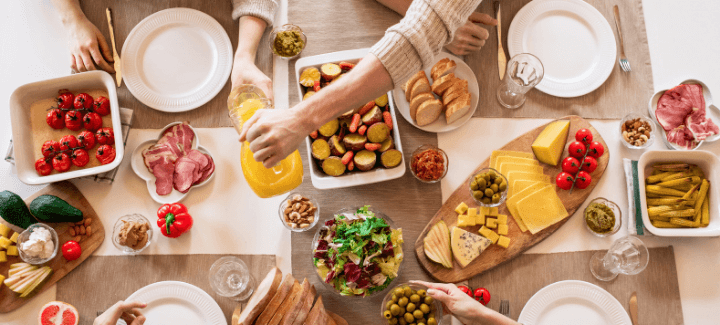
x=65, y=190
x=519, y=241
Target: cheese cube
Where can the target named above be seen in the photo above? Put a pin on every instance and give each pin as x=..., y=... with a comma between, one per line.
x=12, y=250
x=3, y=258
x=485, y=231
x=485, y=211
x=472, y=212
x=465, y=221
x=492, y=211
x=493, y=236
x=502, y=219
x=4, y=242
x=491, y=222
x=2, y=279
x=503, y=241
x=14, y=238
x=503, y=230
x=550, y=144
x=479, y=219
x=461, y=208
x=4, y=230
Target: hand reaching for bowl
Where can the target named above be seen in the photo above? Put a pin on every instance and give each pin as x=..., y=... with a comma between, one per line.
x=464, y=308
x=471, y=37
x=88, y=48
x=274, y=134
x=128, y=311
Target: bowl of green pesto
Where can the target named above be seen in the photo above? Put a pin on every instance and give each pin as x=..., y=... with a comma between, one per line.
x=287, y=41
x=602, y=217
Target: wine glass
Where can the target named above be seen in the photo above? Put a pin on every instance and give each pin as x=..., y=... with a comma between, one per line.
x=230, y=277
x=524, y=72
x=627, y=255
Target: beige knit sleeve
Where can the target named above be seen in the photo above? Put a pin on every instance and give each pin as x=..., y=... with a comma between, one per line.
x=263, y=9
x=427, y=27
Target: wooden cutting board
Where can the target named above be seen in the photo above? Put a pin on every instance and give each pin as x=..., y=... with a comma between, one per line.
x=519, y=241
x=65, y=190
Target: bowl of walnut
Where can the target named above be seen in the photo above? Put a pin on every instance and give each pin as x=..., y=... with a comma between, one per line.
x=637, y=131
x=299, y=212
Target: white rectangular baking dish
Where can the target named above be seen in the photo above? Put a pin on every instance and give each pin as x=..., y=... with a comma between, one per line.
x=26, y=95
x=319, y=179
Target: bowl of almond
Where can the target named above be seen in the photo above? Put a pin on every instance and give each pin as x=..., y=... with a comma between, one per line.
x=299, y=212
x=637, y=131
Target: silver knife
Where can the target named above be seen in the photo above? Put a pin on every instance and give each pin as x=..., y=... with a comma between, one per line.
x=116, y=56
x=502, y=60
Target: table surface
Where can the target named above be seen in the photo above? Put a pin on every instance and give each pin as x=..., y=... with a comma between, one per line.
x=32, y=48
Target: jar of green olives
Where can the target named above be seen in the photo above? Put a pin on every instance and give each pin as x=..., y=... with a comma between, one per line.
x=488, y=187
x=409, y=303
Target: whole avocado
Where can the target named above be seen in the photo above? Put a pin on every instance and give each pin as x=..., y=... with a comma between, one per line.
x=50, y=208
x=14, y=210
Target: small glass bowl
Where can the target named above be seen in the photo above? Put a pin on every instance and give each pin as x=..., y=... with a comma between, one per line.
x=438, y=306
x=283, y=206
x=25, y=236
x=118, y=226
x=420, y=150
x=650, y=122
x=615, y=209
x=287, y=27
x=503, y=194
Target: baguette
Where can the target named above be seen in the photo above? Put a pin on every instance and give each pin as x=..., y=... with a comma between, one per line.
x=305, y=307
x=460, y=85
x=458, y=108
x=449, y=96
x=420, y=87
x=443, y=83
x=447, y=68
x=316, y=313
x=282, y=293
x=287, y=304
x=438, y=65
x=296, y=304
x=417, y=101
x=428, y=112
x=411, y=82
x=261, y=297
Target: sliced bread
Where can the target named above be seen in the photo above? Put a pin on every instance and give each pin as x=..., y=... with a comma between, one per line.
x=306, y=306
x=282, y=293
x=297, y=304
x=443, y=83
x=438, y=65
x=421, y=86
x=261, y=297
x=411, y=82
x=448, y=67
x=460, y=85
x=449, y=96
x=458, y=108
x=428, y=112
x=316, y=315
x=417, y=101
x=288, y=303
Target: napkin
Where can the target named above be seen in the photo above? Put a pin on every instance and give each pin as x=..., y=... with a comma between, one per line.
x=635, y=221
x=126, y=118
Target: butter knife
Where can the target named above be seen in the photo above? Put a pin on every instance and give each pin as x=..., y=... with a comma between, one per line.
x=116, y=56
x=502, y=60
x=633, y=309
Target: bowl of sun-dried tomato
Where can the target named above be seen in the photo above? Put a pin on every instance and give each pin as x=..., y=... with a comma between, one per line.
x=429, y=164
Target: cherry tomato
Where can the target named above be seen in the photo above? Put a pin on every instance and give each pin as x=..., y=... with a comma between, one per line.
x=56, y=118
x=105, y=154
x=86, y=139
x=50, y=147
x=71, y=250
x=564, y=180
x=596, y=149
x=589, y=164
x=577, y=149
x=92, y=121
x=582, y=180
x=83, y=101
x=80, y=157
x=73, y=120
x=101, y=105
x=584, y=136
x=466, y=290
x=43, y=167
x=570, y=165
x=65, y=99
x=61, y=162
x=68, y=142
x=105, y=136
x=482, y=295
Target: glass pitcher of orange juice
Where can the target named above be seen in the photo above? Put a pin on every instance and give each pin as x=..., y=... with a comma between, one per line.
x=243, y=102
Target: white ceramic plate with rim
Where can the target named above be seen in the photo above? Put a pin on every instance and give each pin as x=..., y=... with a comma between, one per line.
x=177, y=59
x=572, y=39
x=175, y=302
x=462, y=71
x=573, y=302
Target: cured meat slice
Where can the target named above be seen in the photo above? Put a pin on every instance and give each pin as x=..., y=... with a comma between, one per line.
x=179, y=138
x=673, y=107
x=210, y=169
x=700, y=126
x=163, y=169
x=183, y=177
x=202, y=161
x=681, y=112
x=681, y=136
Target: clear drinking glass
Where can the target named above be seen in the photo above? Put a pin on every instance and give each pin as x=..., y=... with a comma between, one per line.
x=230, y=277
x=627, y=255
x=524, y=72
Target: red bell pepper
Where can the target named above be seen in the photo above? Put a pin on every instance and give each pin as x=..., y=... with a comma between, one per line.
x=174, y=220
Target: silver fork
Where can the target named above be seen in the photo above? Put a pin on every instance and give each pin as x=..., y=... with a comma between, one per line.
x=624, y=63
x=505, y=308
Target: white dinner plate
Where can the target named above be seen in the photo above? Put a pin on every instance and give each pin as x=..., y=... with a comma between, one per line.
x=572, y=39
x=176, y=60
x=462, y=71
x=174, y=302
x=573, y=302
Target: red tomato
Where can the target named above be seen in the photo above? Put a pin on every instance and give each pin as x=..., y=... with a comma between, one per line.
x=482, y=295
x=80, y=157
x=101, y=105
x=596, y=149
x=564, y=180
x=73, y=120
x=570, y=165
x=65, y=99
x=43, y=167
x=466, y=290
x=71, y=250
x=584, y=136
x=56, y=118
x=49, y=148
x=577, y=149
x=105, y=136
x=92, y=121
x=86, y=139
x=582, y=180
x=83, y=101
x=61, y=162
x=105, y=154
x=589, y=164
x=68, y=142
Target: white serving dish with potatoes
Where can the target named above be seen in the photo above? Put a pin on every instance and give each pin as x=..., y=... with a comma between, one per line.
x=20, y=116
x=709, y=163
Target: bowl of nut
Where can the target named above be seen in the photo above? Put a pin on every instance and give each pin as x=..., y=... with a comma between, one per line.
x=299, y=212
x=637, y=131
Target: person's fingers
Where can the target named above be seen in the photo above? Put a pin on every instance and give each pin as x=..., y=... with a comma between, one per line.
x=272, y=161
x=106, y=50
x=73, y=65
x=126, y=306
x=79, y=63
x=263, y=154
x=471, y=41
x=138, y=321
x=259, y=143
x=87, y=61
x=477, y=31
x=97, y=56
x=440, y=296
x=478, y=17
x=247, y=125
x=445, y=287
x=135, y=312
x=127, y=318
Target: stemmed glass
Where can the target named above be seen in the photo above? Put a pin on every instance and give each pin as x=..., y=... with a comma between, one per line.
x=229, y=277
x=524, y=72
x=627, y=255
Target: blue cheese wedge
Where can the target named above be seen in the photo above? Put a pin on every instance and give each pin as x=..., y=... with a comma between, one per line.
x=467, y=246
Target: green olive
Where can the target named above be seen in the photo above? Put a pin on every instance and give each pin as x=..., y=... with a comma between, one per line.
x=418, y=314
x=425, y=308
x=486, y=200
x=498, y=180
x=494, y=188
x=410, y=307
x=478, y=195
x=415, y=298
x=403, y=302
x=387, y=314
x=496, y=198
x=432, y=315
x=402, y=311
x=409, y=318
x=399, y=292
x=421, y=293
x=429, y=300
x=408, y=292
x=402, y=321
x=394, y=298
x=421, y=321
x=473, y=185
x=392, y=321
x=431, y=321
x=389, y=304
x=481, y=183
x=489, y=192
x=503, y=186
x=395, y=310
x=492, y=173
x=487, y=177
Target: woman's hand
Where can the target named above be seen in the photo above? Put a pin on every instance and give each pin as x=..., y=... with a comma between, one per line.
x=274, y=134
x=128, y=311
x=244, y=71
x=464, y=308
x=471, y=37
x=88, y=48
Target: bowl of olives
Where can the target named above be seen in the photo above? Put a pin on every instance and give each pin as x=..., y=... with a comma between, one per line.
x=488, y=187
x=409, y=303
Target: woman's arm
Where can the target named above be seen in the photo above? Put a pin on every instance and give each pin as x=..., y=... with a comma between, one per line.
x=399, y=6
x=464, y=308
x=86, y=44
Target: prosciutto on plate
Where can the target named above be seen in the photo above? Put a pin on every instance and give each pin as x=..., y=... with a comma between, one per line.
x=681, y=113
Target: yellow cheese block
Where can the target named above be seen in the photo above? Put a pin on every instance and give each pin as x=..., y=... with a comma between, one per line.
x=493, y=236
x=502, y=230
x=485, y=211
x=550, y=144
x=541, y=209
x=505, y=168
x=479, y=219
x=503, y=241
x=518, y=175
x=491, y=223
x=502, y=219
x=520, y=195
x=472, y=212
x=2, y=279
x=14, y=238
x=461, y=208
x=4, y=230
x=492, y=211
x=485, y=231
x=4, y=242
x=467, y=246
x=515, y=160
x=465, y=221
x=3, y=257
x=499, y=153
x=12, y=250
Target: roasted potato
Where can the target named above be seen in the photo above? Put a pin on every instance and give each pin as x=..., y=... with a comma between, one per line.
x=365, y=160
x=391, y=158
x=354, y=142
x=329, y=128
x=336, y=146
x=373, y=116
x=333, y=166
x=320, y=149
x=378, y=132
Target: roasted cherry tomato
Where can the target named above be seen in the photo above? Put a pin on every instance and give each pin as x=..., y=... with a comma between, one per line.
x=596, y=149
x=589, y=164
x=577, y=149
x=83, y=101
x=105, y=154
x=582, y=180
x=65, y=99
x=71, y=250
x=43, y=167
x=50, y=147
x=482, y=295
x=466, y=290
x=86, y=139
x=80, y=157
x=564, y=180
x=570, y=165
x=92, y=121
x=584, y=136
x=61, y=162
x=68, y=142
x=101, y=105
x=105, y=136
x=73, y=120
x=56, y=118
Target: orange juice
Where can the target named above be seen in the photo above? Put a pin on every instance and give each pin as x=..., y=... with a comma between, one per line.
x=243, y=102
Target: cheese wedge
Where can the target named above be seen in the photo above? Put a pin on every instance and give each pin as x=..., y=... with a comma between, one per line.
x=500, y=153
x=541, y=209
x=511, y=202
x=548, y=147
x=467, y=246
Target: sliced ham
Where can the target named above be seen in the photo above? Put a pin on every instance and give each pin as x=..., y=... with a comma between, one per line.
x=163, y=169
x=681, y=113
x=180, y=138
x=183, y=177
x=207, y=172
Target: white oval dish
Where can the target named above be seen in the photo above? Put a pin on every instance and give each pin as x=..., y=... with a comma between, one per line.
x=138, y=166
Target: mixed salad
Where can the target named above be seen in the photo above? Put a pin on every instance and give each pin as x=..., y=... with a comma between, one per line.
x=358, y=254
